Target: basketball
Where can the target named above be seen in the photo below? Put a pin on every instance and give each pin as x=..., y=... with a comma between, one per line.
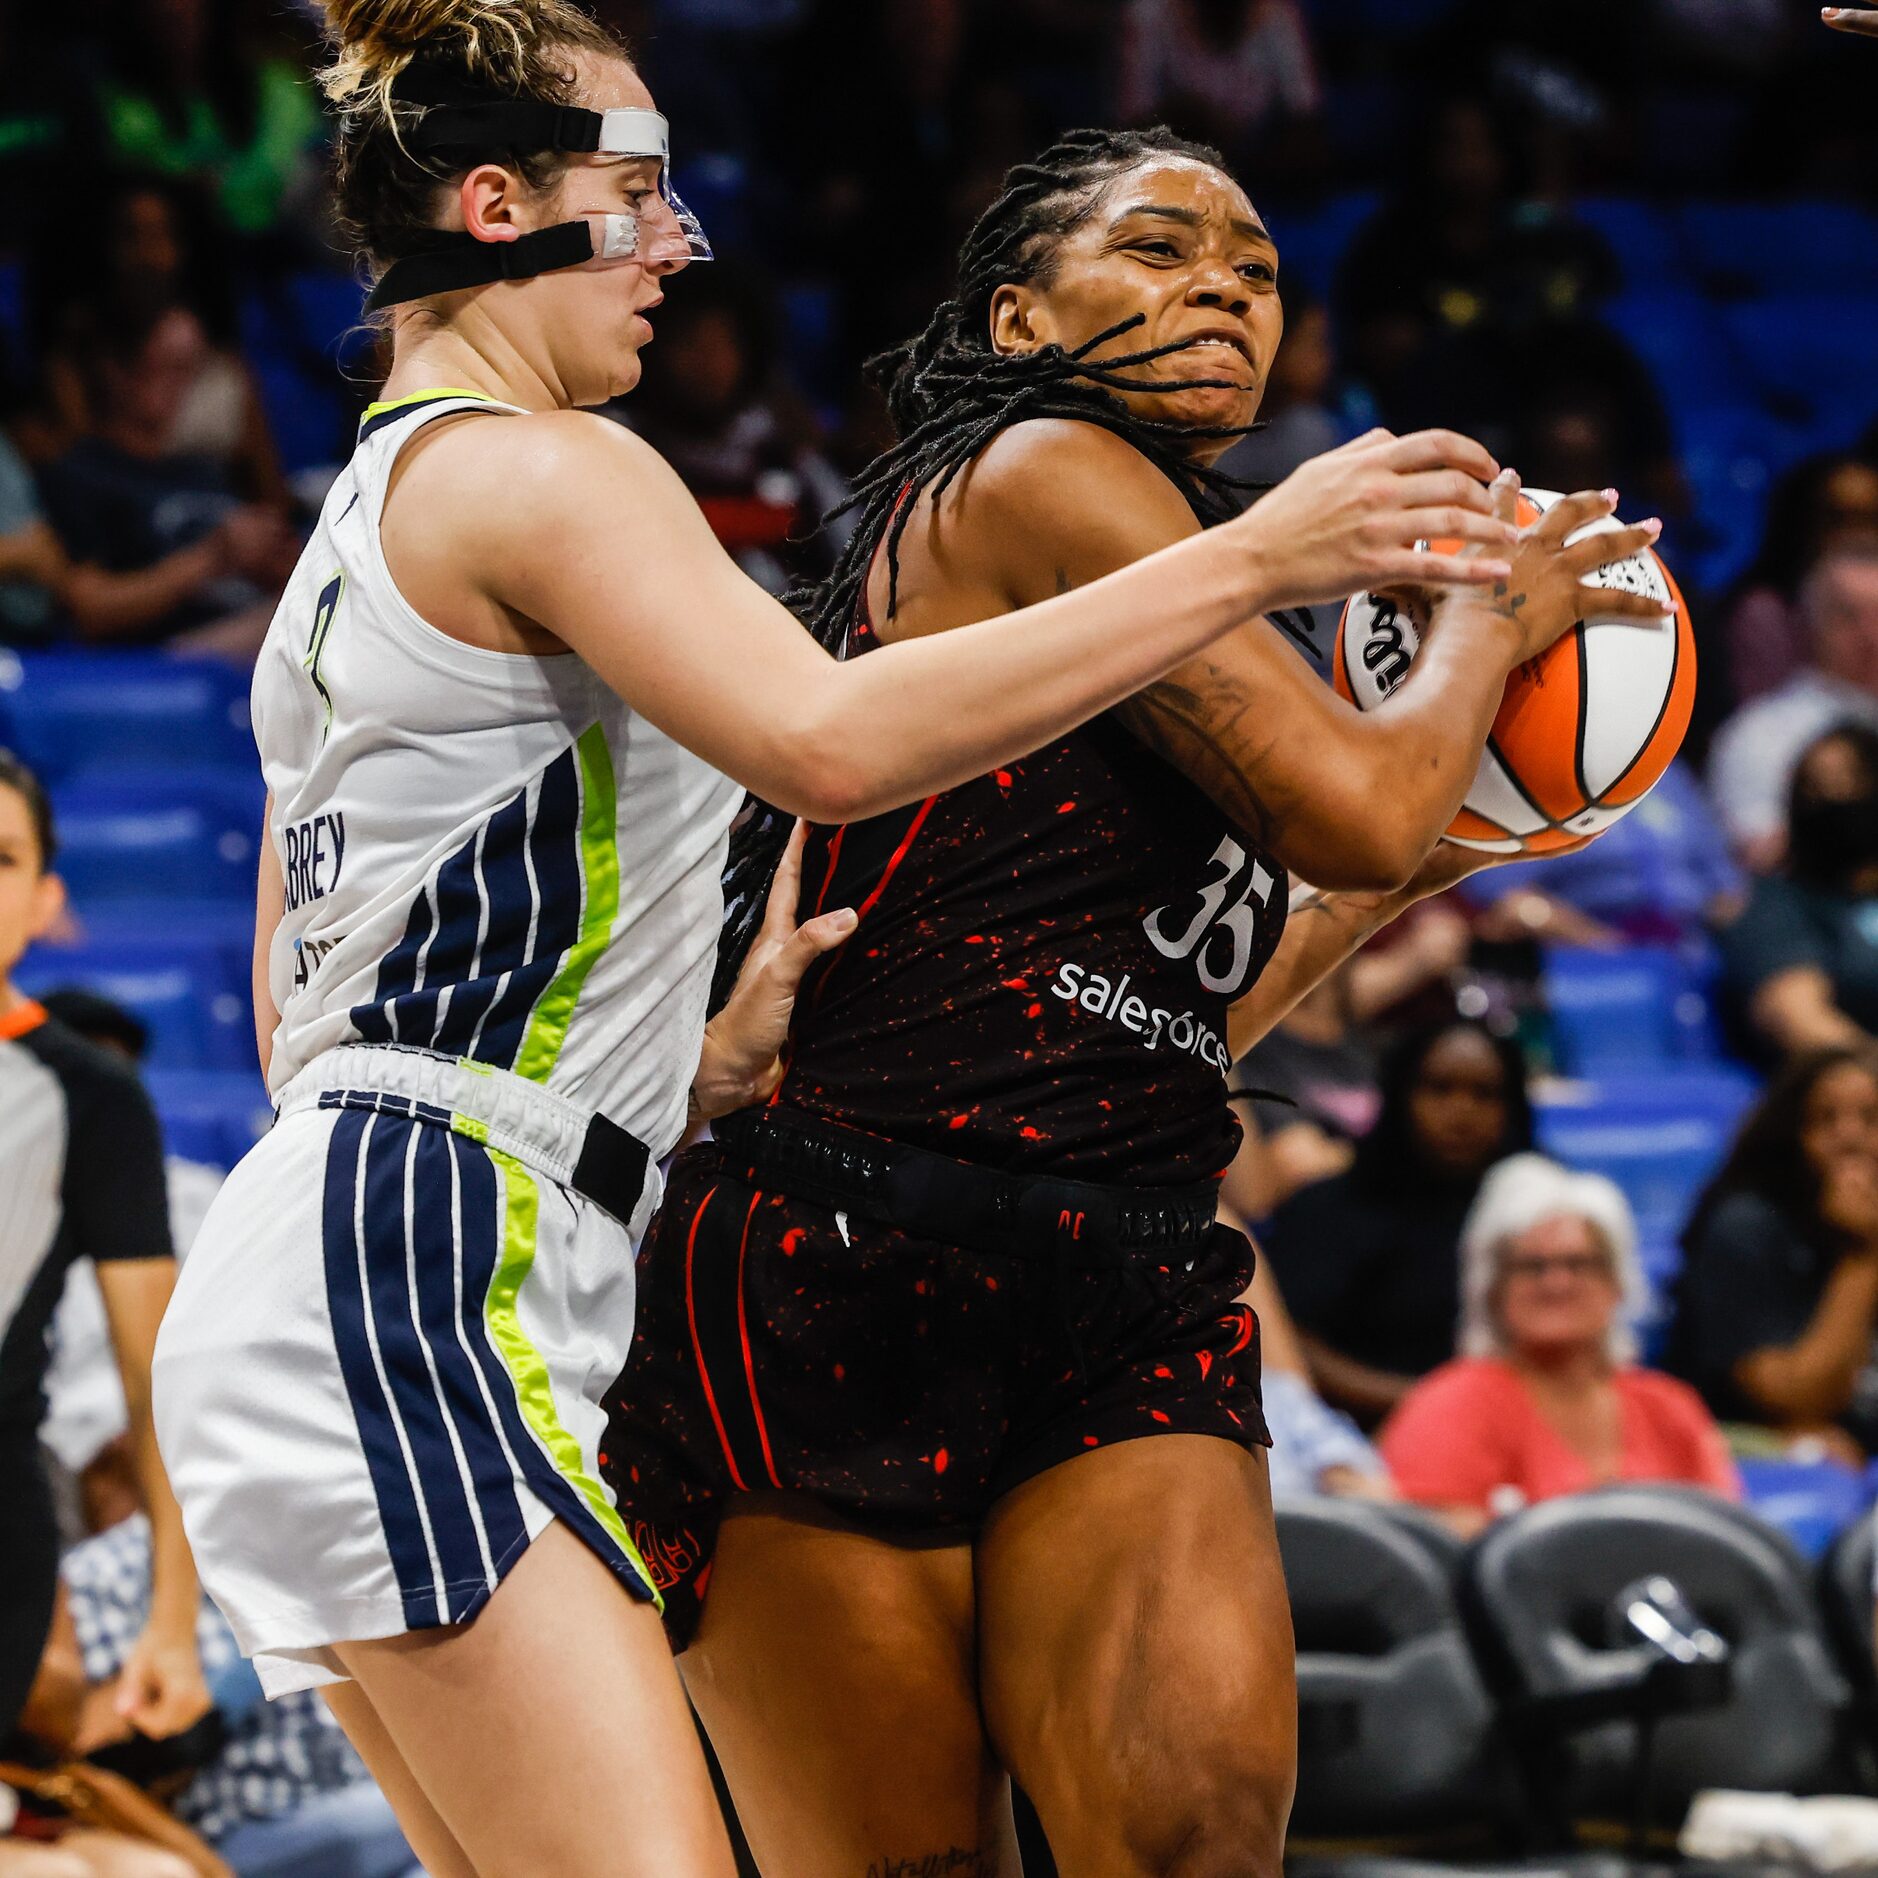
x=1583, y=732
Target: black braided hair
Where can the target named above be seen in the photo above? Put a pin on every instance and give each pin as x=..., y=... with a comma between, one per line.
x=949, y=393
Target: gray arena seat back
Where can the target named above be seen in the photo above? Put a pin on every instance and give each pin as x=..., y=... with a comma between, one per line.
x=1539, y=1591
x=1395, y=1724
x=1845, y=1598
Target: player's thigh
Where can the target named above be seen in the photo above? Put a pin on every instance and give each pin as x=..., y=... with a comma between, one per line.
x=433, y=1842
x=1136, y=1660
x=551, y=1735
x=833, y=1671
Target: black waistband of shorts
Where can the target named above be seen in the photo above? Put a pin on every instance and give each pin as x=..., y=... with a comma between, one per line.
x=959, y=1202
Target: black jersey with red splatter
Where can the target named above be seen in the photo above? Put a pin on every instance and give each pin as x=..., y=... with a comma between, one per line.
x=1042, y=971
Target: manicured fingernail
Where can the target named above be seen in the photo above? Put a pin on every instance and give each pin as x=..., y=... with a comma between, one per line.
x=1610, y=496
x=1653, y=527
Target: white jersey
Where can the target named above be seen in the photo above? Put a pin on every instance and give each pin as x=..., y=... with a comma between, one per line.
x=486, y=855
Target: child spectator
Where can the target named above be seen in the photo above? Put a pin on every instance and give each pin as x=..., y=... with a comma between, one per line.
x=1779, y=1289
x=1802, y=961
x=1546, y=1396
x=1369, y=1260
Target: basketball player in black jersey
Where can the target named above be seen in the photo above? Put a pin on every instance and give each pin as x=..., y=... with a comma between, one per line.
x=901, y=1330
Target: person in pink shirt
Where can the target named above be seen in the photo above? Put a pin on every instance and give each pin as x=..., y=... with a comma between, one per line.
x=1546, y=1396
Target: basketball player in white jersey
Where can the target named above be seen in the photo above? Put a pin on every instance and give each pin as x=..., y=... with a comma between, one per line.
x=499, y=712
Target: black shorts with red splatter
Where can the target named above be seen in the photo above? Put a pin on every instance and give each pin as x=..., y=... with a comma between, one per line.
x=904, y=1382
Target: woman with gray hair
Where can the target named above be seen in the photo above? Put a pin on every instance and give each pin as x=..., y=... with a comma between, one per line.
x=1546, y=1396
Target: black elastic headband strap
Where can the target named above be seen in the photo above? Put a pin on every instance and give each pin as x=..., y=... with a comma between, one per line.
x=460, y=260
x=505, y=124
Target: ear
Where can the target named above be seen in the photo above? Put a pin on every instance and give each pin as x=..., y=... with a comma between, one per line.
x=1020, y=322
x=48, y=907
x=490, y=198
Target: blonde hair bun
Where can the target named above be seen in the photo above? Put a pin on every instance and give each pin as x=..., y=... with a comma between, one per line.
x=495, y=42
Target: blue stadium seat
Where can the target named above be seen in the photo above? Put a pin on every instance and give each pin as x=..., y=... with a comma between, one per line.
x=70, y=709
x=1642, y=1006
x=199, y=1016
x=111, y=849
x=1641, y=236
x=1311, y=245
x=1809, y=357
x=214, y=1116
x=1681, y=338
x=1812, y=1502
x=1802, y=247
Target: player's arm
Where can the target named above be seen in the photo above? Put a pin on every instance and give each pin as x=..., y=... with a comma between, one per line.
x=1348, y=799
x=270, y=902
x=629, y=575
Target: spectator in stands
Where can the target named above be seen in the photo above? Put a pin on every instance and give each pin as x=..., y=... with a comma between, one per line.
x=274, y=1787
x=32, y=564
x=1231, y=72
x=81, y=1174
x=1453, y=261
x=1298, y=420
x=1825, y=503
x=155, y=254
x=1755, y=752
x=158, y=545
x=1662, y=875
x=744, y=445
x=1778, y=1296
x=1802, y=961
x=217, y=89
x=1310, y=1085
x=1369, y=1260
x=1546, y=1396
x=1315, y=1448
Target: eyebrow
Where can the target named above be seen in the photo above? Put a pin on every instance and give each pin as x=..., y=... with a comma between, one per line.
x=1191, y=218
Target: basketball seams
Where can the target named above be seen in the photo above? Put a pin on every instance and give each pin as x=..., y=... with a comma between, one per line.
x=1543, y=733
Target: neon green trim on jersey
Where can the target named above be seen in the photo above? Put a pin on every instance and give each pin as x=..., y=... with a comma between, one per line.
x=422, y=397
x=528, y=1369
x=599, y=870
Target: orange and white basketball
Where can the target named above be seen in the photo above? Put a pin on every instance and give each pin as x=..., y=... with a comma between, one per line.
x=1584, y=730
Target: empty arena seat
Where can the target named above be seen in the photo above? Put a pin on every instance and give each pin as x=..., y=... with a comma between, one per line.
x=1379, y=1640
x=1807, y=246
x=1312, y=243
x=109, y=850
x=1640, y=235
x=1606, y=1732
x=1680, y=336
x=68, y=709
x=1807, y=355
x=212, y=1116
x=1812, y=1502
x=199, y=1014
x=1641, y=1006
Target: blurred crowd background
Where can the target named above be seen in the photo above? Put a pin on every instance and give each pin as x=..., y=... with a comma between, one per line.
x=1623, y=1103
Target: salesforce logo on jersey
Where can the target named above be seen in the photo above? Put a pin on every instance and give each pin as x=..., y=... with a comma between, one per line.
x=1153, y=1024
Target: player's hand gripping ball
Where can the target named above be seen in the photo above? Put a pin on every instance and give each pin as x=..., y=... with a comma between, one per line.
x=1584, y=730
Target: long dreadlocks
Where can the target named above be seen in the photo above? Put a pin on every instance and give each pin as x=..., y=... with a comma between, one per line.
x=949, y=393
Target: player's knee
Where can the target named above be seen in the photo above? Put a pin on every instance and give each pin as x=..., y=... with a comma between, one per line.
x=1228, y=1824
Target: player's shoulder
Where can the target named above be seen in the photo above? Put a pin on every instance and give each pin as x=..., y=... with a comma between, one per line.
x=533, y=458
x=1064, y=479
